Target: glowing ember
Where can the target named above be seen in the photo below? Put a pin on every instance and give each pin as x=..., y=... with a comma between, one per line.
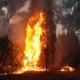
x=67, y=68
x=33, y=43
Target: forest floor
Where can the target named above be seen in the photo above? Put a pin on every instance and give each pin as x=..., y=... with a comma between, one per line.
x=43, y=76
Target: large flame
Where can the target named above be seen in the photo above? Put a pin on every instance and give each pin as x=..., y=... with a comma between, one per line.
x=33, y=43
x=67, y=68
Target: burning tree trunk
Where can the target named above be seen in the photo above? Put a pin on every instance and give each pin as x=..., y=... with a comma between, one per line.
x=50, y=34
x=33, y=43
x=49, y=25
x=35, y=31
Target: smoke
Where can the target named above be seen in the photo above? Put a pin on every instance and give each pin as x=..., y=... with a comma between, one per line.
x=18, y=26
x=58, y=29
x=25, y=7
x=3, y=18
x=5, y=10
x=18, y=22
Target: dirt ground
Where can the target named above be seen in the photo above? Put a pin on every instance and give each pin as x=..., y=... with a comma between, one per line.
x=43, y=76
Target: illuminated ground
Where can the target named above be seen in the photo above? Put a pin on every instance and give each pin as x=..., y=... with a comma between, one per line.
x=43, y=76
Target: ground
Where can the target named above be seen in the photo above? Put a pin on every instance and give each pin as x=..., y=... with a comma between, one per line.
x=43, y=76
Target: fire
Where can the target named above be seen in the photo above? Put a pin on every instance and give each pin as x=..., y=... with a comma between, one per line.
x=33, y=43
x=67, y=68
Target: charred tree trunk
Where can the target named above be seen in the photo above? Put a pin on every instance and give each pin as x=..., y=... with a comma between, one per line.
x=46, y=7
x=51, y=36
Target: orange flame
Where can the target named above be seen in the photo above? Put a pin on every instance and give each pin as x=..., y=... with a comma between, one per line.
x=67, y=68
x=33, y=43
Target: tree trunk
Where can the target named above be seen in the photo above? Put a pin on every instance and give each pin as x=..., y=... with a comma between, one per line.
x=51, y=36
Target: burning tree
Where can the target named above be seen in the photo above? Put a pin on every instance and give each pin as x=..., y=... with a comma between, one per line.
x=51, y=36
x=43, y=18
x=40, y=36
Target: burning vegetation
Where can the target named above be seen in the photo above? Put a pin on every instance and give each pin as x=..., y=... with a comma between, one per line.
x=67, y=68
x=39, y=53
x=33, y=43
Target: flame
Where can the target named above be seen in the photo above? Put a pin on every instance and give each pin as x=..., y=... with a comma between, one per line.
x=67, y=68
x=33, y=43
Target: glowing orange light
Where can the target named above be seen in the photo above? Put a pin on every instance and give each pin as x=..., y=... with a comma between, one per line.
x=67, y=68
x=33, y=43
